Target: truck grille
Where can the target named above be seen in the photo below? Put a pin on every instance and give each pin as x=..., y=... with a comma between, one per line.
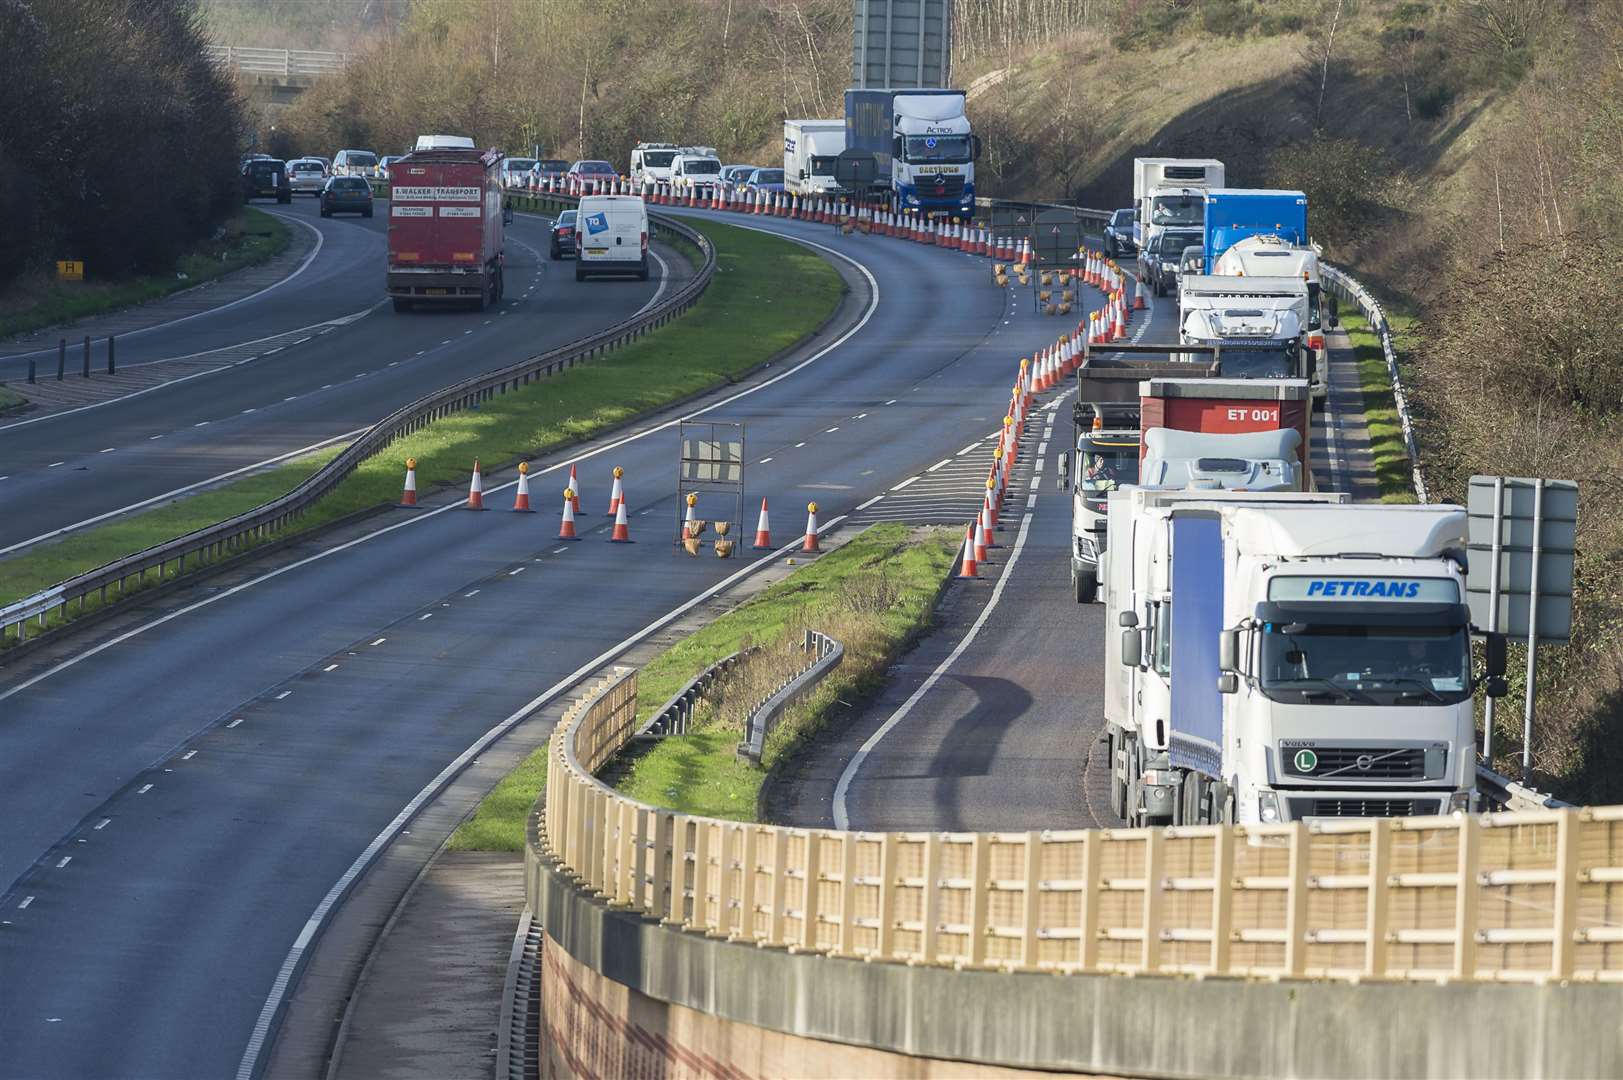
x=1362, y=808
x=950, y=187
x=1381, y=762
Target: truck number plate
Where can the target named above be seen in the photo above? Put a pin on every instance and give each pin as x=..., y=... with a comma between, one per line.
x=597, y=251
x=436, y=292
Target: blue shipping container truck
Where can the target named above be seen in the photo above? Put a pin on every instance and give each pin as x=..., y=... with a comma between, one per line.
x=921, y=141
x=1196, y=739
x=1232, y=214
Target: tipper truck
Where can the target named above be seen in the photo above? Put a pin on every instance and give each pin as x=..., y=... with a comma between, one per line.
x=922, y=144
x=445, y=224
x=810, y=148
x=1283, y=657
x=1170, y=193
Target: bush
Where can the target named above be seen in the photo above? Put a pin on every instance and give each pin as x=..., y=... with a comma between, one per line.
x=1345, y=181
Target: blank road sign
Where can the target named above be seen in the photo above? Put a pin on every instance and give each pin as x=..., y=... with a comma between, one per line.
x=1556, y=533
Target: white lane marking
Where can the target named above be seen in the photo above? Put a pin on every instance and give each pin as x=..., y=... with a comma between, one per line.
x=905, y=483
x=290, y=397
x=188, y=755
x=109, y=450
x=201, y=423
x=468, y=595
x=942, y=464
x=417, y=519
x=831, y=430
x=394, y=363
x=302, y=340
x=245, y=412
x=151, y=437
x=362, y=374
x=842, y=818
x=425, y=615
x=330, y=667
x=143, y=789
x=1042, y=447
x=290, y=964
x=870, y=502
x=277, y=460
x=55, y=464
x=1037, y=466
x=283, y=694
x=326, y=386
x=798, y=445
x=1031, y=501
x=24, y=905
x=970, y=449
x=103, y=823
x=517, y=570
x=560, y=551
x=380, y=641
x=234, y=722
x=763, y=461
x=272, y=352
x=892, y=401
x=447, y=341
x=860, y=416
x=65, y=860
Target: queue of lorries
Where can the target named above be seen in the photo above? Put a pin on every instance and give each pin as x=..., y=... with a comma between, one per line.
x=1274, y=653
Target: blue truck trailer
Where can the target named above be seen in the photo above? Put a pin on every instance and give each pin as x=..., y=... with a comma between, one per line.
x=1232, y=214
x=923, y=145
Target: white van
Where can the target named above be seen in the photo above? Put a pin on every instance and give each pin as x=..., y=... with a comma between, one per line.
x=696, y=171
x=355, y=163
x=611, y=236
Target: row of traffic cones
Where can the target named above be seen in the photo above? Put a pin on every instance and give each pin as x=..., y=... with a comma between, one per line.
x=617, y=506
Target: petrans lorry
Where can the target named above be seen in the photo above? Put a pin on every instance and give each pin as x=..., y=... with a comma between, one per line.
x=1284, y=656
x=446, y=224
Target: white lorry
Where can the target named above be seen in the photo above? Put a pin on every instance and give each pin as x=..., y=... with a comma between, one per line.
x=810, y=148
x=1171, y=193
x=1287, y=656
x=1273, y=257
x=1268, y=314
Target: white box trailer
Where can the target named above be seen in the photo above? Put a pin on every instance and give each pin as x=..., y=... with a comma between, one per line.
x=810, y=148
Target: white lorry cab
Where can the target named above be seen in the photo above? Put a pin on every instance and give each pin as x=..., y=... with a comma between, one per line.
x=1230, y=308
x=810, y=148
x=695, y=170
x=611, y=236
x=1273, y=257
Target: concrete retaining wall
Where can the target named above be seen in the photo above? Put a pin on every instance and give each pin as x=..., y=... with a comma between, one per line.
x=731, y=1009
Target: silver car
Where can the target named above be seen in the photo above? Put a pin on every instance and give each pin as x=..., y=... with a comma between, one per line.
x=307, y=176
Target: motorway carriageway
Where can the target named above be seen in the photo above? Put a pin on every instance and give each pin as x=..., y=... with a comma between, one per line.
x=180, y=797
x=312, y=380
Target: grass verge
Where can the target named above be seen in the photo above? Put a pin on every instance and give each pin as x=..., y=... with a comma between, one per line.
x=767, y=294
x=8, y=400
x=1392, y=467
x=39, y=300
x=875, y=594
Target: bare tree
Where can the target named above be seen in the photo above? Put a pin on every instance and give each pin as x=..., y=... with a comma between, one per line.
x=1320, y=52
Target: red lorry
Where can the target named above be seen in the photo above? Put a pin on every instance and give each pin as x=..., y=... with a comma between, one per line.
x=445, y=224
x=1228, y=407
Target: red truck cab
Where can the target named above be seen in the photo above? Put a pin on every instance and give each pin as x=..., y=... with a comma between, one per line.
x=445, y=224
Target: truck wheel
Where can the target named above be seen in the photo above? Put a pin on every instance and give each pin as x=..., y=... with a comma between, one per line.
x=402, y=304
x=1087, y=589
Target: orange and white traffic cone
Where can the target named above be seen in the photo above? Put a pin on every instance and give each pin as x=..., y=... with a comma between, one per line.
x=692, y=514
x=986, y=525
x=763, y=531
x=983, y=538
x=476, y=489
x=622, y=529
x=521, y=498
x=990, y=502
x=566, y=529
x=408, y=497
x=810, y=546
x=574, y=485
x=970, y=567
x=617, y=495
x=1138, y=295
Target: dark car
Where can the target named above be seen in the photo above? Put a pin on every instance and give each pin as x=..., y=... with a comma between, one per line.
x=1160, y=263
x=563, y=234
x=1119, y=233
x=346, y=195
x=765, y=180
x=266, y=178
x=591, y=168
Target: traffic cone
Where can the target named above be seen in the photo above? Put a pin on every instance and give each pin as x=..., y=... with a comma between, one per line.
x=566, y=530
x=983, y=538
x=574, y=485
x=617, y=495
x=970, y=567
x=810, y=546
x=521, y=499
x=986, y=527
x=692, y=514
x=763, y=531
x=476, y=489
x=622, y=530
x=1138, y=296
x=408, y=497
x=990, y=503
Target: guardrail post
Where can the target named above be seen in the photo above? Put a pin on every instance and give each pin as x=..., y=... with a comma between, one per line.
x=1296, y=901
x=61, y=358
x=1379, y=900
x=112, y=368
x=87, y=356
x=1466, y=895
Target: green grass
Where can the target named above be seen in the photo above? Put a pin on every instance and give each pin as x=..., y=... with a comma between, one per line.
x=8, y=400
x=249, y=238
x=700, y=773
x=767, y=295
x=1392, y=467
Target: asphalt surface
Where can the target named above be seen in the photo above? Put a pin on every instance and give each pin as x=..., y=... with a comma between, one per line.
x=1006, y=735
x=207, y=776
x=331, y=358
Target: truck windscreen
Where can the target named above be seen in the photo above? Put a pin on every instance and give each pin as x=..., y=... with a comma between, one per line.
x=1105, y=468
x=923, y=149
x=822, y=165
x=1177, y=210
x=1258, y=361
x=1348, y=663
x=658, y=159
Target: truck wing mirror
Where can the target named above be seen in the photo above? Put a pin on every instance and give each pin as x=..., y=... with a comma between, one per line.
x=1064, y=475
x=896, y=147
x=1494, y=647
x=1132, y=649
x=1228, y=652
x=1127, y=618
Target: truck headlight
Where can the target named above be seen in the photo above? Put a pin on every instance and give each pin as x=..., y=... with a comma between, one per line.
x=1268, y=808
